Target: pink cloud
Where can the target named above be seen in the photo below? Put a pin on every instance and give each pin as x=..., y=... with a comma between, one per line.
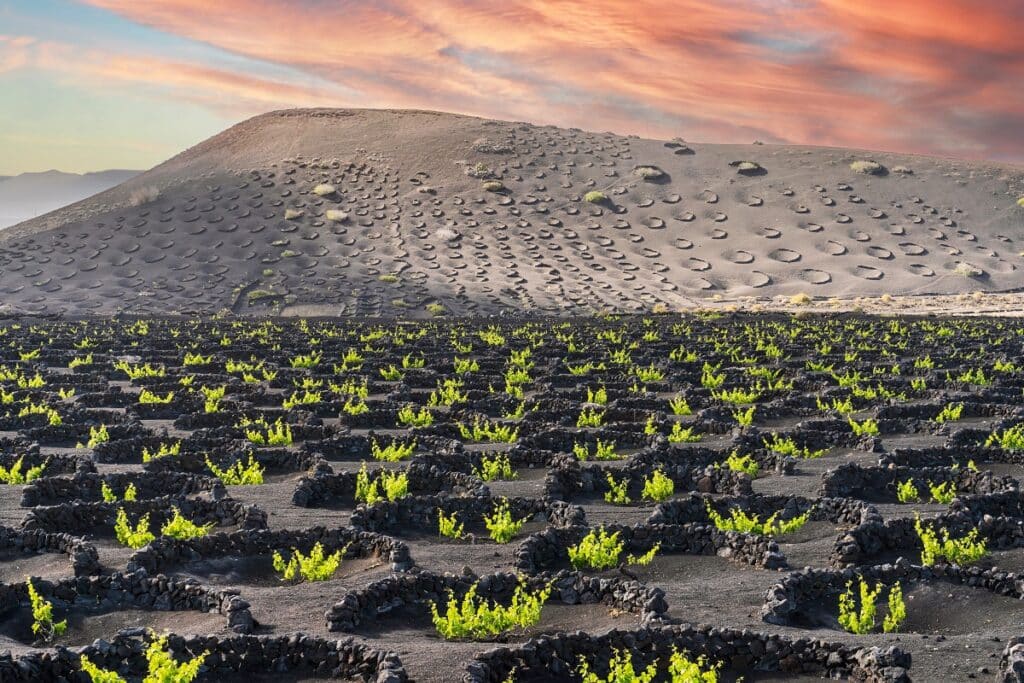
x=938, y=76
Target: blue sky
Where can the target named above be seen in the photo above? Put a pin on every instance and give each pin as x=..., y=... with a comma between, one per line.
x=93, y=84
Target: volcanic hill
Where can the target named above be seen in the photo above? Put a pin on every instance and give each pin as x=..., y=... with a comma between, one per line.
x=408, y=213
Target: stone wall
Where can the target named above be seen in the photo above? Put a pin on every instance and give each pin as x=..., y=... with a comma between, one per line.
x=570, y=588
x=557, y=657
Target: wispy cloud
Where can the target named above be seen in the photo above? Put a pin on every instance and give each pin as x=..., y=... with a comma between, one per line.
x=933, y=76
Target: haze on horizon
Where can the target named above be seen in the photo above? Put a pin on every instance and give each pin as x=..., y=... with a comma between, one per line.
x=96, y=84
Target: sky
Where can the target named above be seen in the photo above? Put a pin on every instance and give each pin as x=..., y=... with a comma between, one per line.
x=95, y=84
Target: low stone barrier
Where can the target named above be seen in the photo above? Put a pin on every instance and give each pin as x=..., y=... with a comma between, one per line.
x=557, y=657
x=570, y=588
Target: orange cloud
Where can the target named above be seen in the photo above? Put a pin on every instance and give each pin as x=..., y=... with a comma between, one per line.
x=939, y=76
x=15, y=52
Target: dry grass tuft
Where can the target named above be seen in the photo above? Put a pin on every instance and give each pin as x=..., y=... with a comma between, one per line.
x=324, y=190
x=480, y=171
x=336, y=215
x=648, y=172
x=494, y=186
x=143, y=195
x=967, y=270
x=867, y=167
x=292, y=214
x=800, y=299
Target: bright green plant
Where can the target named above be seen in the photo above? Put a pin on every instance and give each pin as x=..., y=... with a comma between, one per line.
x=196, y=359
x=34, y=382
x=942, y=493
x=354, y=406
x=80, y=361
x=139, y=371
x=740, y=521
x=648, y=374
x=448, y=393
x=408, y=417
x=646, y=558
x=950, y=413
x=97, y=435
x=304, y=399
x=650, y=426
x=163, y=451
x=710, y=379
x=488, y=432
x=616, y=493
x=603, y=450
x=316, y=566
x=500, y=524
x=658, y=487
x=598, y=397
x=737, y=395
x=962, y=551
x=590, y=418
x=906, y=492
x=52, y=416
x=391, y=373
x=14, y=475
x=580, y=369
x=745, y=464
x=976, y=377
x=787, y=446
x=497, y=466
x=464, y=366
x=868, y=427
x=1010, y=439
x=181, y=528
x=861, y=620
x=680, y=406
x=306, y=361
x=744, y=418
x=679, y=434
x=277, y=434
x=133, y=537
x=681, y=355
x=410, y=361
x=109, y=496
x=597, y=550
x=841, y=406
x=43, y=624
x=249, y=473
x=449, y=526
x=161, y=667
x=681, y=669
x=393, y=452
x=147, y=397
x=474, y=617
x=517, y=412
x=1004, y=366
x=897, y=610
x=386, y=486
x=350, y=388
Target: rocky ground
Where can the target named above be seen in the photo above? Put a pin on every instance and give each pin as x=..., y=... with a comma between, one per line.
x=845, y=411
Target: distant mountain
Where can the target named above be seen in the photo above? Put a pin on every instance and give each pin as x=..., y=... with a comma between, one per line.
x=32, y=194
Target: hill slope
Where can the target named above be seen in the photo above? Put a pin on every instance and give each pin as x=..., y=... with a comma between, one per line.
x=481, y=216
x=32, y=194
